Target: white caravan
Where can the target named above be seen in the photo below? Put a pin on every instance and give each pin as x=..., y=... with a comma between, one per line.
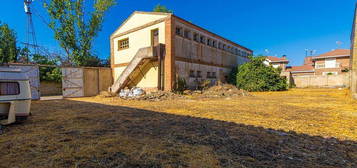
x=15, y=95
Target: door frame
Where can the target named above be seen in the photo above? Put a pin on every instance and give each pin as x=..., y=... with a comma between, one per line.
x=152, y=36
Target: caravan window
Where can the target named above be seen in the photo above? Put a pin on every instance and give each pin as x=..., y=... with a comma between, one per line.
x=9, y=88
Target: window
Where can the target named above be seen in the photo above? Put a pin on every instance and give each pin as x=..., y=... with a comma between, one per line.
x=192, y=74
x=214, y=44
x=123, y=44
x=208, y=74
x=330, y=63
x=179, y=31
x=202, y=39
x=209, y=42
x=224, y=47
x=9, y=88
x=319, y=65
x=195, y=37
x=187, y=34
x=198, y=74
x=214, y=75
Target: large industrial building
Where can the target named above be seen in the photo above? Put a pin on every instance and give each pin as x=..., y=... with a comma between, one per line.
x=156, y=50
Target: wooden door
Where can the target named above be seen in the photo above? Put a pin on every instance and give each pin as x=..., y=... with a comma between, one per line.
x=91, y=83
x=155, y=37
x=72, y=82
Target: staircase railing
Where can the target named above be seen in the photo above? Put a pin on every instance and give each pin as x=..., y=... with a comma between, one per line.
x=143, y=56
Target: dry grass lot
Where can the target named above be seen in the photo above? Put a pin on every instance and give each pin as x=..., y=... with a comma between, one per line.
x=297, y=128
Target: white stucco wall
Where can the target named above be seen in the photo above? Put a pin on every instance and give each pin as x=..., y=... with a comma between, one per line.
x=138, y=19
x=137, y=40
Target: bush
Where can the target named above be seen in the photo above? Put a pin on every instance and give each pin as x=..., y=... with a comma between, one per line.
x=181, y=85
x=232, y=78
x=256, y=76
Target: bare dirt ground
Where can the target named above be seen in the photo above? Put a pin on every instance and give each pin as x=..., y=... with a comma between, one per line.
x=297, y=128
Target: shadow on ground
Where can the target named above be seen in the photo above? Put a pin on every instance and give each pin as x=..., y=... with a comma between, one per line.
x=64, y=133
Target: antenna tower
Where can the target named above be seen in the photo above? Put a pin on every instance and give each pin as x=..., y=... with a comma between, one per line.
x=31, y=43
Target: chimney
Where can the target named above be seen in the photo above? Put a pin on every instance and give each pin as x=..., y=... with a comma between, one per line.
x=284, y=56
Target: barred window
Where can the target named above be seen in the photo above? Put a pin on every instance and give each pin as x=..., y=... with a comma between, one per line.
x=209, y=42
x=209, y=75
x=214, y=44
x=9, y=88
x=192, y=74
x=213, y=75
x=187, y=34
x=202, y=39
x=179, y=31
x=195, y=37
x=199, y=75
x=123, y=44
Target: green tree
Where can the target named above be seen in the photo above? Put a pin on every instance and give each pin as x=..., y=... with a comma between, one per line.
x=161, y=8
x=8, y=49
x=75, y=28
x=256, y=76
x=48, y=73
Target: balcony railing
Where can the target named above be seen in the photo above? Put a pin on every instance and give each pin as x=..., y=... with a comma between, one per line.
x=322, y=66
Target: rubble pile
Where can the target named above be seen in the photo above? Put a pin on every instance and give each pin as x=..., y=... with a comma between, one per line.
x=224, y=90
x=218, y=91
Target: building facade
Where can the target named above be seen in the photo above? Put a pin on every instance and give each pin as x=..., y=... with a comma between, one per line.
x=175, y=49
x=331, y=63
x=334, y=62
x=277, y=62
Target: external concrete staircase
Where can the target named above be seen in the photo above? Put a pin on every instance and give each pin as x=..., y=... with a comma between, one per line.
x=140, y=60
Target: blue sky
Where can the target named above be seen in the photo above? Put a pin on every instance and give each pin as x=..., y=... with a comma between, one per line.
x=281, y=26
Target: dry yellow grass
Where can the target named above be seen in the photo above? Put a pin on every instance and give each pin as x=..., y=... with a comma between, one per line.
x=297, y=128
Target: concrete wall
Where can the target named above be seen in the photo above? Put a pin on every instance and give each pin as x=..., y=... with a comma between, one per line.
x=191, y=55
x=353, y=61
x=341, y=80
x=50, y=88
x=182, y=54
x=137, y=39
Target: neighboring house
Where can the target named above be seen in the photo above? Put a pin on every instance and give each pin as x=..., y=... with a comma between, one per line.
x=301, y=70
x=331, y=63
x=154, y=50
x=277, y=62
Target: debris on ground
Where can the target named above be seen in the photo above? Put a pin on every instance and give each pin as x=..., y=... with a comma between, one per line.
x=295, y=128
x=224, y=90
x=218, y=91
x=131, y=93
x=160, y=95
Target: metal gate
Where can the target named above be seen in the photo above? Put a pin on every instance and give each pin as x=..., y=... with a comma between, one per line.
x=72, y=82
x=32, y=71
